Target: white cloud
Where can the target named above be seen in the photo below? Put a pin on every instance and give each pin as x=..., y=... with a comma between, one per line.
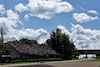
x=20, y=7
x=26, y=17
x=93, y=11
x=15, y=34
x=82, y=17
x=9, y=21
x=12, y=15
x=45, y=9
x=87, y=38
x=63, y=29
x=2, y=9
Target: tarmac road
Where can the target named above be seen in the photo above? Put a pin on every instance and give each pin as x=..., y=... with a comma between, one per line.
x=71, y=63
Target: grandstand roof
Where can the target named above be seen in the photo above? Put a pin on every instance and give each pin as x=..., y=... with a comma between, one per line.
x=32, y=49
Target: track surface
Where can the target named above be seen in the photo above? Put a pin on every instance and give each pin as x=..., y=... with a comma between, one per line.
x=76, y=63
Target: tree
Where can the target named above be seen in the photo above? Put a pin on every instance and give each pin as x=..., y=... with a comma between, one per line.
x=54, y=39
x=61, y=43
x=68, y=46
x=1, y=45
x=1, y=34
x=28, y=41
x=48, y=42
x=1, y=39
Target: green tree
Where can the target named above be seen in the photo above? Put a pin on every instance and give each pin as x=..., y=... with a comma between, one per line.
x=1, y=45
x=48, y=42
x=54, y=39
x=1, y=39
x=61, y=43
x=28, y=41
x=67, y=46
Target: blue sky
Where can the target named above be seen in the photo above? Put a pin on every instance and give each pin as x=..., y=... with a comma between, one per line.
x=35, y=19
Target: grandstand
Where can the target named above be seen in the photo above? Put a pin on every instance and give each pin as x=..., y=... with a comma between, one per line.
x=23, y=51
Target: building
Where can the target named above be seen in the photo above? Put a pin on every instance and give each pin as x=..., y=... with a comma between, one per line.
x=26, y=51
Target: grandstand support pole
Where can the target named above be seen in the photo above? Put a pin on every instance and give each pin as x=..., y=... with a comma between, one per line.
x=47, y=55
x=62, y=51
x=38, y=58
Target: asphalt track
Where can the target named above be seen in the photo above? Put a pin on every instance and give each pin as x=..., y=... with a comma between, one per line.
x=70, y=63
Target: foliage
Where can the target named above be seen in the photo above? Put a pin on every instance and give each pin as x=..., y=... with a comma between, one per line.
x=97, y=52
x=1, y=34
x=28, y=41
x=67, y=45
x=54, y=39
x=1, y=40
x=61, y=43
x=4, y=46
x=43, y=44
x=1, y=46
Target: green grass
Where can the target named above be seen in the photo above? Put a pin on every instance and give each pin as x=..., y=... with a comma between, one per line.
x=16, y=63
x=41, y=59
x=75, y=59
x=97, y=59
x=19, y=61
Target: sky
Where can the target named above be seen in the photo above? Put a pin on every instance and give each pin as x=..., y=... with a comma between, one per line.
x=35, y=19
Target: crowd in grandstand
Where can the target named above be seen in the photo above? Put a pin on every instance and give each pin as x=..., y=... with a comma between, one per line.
x=33, y=49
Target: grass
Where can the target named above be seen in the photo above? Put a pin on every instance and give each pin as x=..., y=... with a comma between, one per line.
x=16, y=63
x=97, y=59
x=75, y=58
x=94, y=60
x=25, y=61
x=19, y=61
